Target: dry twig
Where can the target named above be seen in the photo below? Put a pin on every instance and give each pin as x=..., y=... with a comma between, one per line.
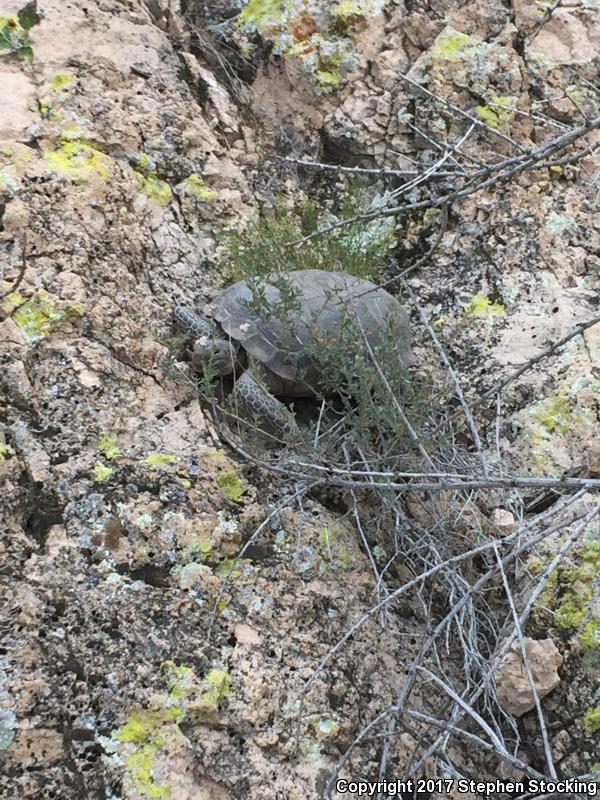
x=481, y=179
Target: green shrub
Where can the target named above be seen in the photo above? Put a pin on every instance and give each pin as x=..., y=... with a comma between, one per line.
x=359, y=249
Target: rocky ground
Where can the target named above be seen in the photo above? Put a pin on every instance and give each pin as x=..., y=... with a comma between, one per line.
x=131, y=666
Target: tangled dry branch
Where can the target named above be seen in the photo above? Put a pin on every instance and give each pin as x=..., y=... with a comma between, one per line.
x=472, y=180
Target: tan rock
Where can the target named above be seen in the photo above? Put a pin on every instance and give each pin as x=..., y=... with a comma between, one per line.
x=35, y=746
x=246, y=634
x=514, y=690
x=504, y=520
x=18, y=98
x=565, y=39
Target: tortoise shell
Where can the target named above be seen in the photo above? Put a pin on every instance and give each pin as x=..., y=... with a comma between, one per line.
x=286, y=319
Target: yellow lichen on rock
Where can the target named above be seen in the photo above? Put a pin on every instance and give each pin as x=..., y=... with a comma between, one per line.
x=79, y=161
x=482, y=306
x=194, y=186
x=141, y=743
x=40, y=315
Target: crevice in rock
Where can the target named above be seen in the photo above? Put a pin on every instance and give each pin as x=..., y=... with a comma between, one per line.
x=150, y=574
x=49, y=511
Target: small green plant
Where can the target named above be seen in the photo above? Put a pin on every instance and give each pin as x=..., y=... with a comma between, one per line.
x=359, y=249
x=14, y=32
x=591, y=720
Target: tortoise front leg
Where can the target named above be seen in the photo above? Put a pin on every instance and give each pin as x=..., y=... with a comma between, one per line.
x=188, y=321
x=253, y=397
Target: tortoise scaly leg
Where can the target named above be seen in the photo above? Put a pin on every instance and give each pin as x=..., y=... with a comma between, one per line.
x=249, y=393
x=190, y=322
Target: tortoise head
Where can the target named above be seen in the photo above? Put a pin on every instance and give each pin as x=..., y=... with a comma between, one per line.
x=212, y=352
x=218, y=356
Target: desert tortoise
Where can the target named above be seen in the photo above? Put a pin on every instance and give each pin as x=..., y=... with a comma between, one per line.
x=282, y=322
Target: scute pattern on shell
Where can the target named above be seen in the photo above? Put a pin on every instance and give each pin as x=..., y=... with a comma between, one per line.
x=281, y=331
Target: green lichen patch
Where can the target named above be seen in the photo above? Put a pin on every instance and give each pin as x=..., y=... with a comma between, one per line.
x=16, y=155
x=233, y=487
x=226, y=478
x=590, y=635
x=260, y=13
x=539, y=63
x=233, y=568
x=181, y=682
x=75, y=130
x=40, y=315
x=79, y=161
x=11, y=301
x=573, y=594
x=201, y=549
x=150, y=184
x=453, y=45
x=144, y=163
x=194, y=186
x=108, y=447
x=554, y=415
x=321, y=36
x=158, y=460
x=102, y=472
x=558, y=428
x=140, y=744
x=465, y=60
x=591, y=720
x=482, y=306
x=156, y=189
x=144, y=735
x=217, y=687
x=498, y=111
x=60, y=80
x=562, y=224
x=332, y=548
x=14, y=158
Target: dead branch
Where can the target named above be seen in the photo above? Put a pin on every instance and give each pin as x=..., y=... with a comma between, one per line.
x=489, y=176
x=577, y=331
x=441, y=484
x=380, y=172
x=530, y=679
x=462, y=113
